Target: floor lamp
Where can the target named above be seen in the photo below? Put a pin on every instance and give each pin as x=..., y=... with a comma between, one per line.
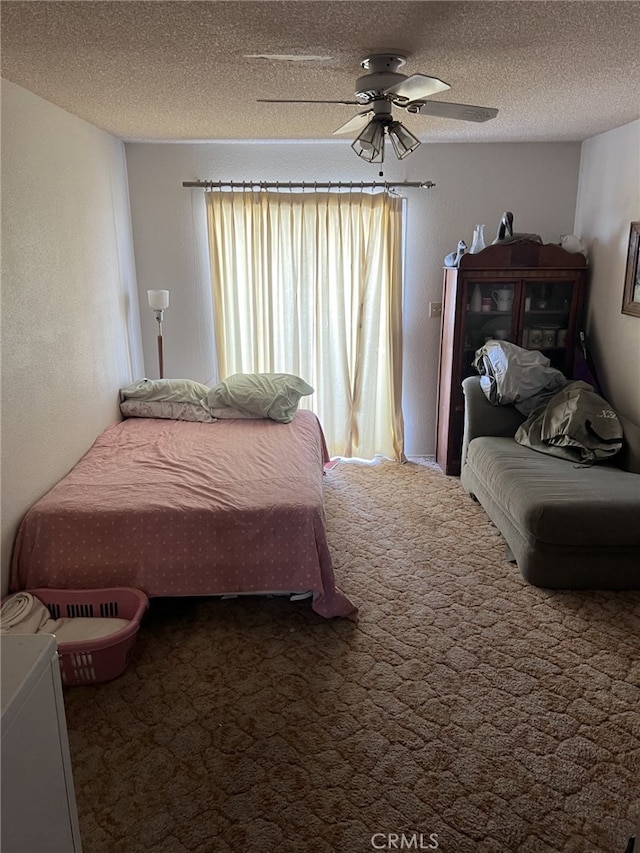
x=159, y=300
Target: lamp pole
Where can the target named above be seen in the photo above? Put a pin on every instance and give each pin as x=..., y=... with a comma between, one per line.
x=159, y=300
x=159, y=318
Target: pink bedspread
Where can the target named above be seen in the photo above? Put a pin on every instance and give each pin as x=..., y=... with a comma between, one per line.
x=177, y=508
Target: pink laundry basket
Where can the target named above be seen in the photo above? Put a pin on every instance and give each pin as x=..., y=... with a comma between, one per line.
x=106, y=658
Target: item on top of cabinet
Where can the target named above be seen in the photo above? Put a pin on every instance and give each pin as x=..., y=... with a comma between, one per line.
x=506, y=234
x=505, y=227
x=571, y=243
x=453, y=258
x=478, y=243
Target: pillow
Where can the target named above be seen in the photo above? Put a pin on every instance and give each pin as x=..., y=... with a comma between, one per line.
x=165, y=390
x=267, y=395
x=166, y=409
x=228, y=413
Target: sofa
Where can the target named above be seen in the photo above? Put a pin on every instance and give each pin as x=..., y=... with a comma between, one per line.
x=567, y=526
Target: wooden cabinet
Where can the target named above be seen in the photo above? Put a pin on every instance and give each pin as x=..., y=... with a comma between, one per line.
x=524, y=292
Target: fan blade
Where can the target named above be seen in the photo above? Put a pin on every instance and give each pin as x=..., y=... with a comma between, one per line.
x=415, y=88
x=355, y=124
x=289, y=101
x=465, y=112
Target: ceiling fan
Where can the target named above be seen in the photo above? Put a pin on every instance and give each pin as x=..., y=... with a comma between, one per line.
x=382, y=88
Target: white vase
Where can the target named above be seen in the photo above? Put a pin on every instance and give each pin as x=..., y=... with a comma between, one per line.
x=478, y=240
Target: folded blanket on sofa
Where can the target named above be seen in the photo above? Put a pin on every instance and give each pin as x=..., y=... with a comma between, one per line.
x=513, y=375
x=576, y=424
x=25, y=614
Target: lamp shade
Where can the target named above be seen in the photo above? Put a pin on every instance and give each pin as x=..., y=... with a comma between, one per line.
x=403, y=141
x=158, y=299
x=370, y=143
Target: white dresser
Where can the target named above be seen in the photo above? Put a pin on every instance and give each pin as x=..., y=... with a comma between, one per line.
x=39, y=812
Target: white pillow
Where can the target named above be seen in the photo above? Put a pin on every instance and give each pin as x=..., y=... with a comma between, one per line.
x=229, y=413
x=165, y=390
x=267, y=395
x=166, y=409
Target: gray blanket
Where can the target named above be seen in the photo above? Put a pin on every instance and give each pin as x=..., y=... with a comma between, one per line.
x=575, y=424
x=514, y=375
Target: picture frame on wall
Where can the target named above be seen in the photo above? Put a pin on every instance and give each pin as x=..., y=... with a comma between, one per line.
x=631, y=297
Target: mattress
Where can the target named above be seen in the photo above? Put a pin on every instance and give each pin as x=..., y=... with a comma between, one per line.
x=177, y=508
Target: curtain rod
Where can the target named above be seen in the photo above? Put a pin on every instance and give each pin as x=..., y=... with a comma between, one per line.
x=288, y=185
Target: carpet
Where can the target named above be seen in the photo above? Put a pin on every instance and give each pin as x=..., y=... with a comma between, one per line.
x=466, y=711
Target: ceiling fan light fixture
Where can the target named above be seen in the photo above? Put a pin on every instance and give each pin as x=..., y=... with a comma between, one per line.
x=369, y=144
x=403, y=141
x=380, y=89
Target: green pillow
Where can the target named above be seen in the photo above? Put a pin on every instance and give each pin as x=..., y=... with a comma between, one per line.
x=166, y=409
x=267, y=395
x=165, y=391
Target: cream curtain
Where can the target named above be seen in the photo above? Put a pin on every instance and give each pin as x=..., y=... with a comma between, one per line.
x=311, y=284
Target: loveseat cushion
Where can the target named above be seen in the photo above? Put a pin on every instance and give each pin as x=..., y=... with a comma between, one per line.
x=554, y=500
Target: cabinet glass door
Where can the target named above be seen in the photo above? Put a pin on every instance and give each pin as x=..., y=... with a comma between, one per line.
x=546, y=318
x=489, y=316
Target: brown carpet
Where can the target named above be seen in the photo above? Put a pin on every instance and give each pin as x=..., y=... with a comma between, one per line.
x=464, y=703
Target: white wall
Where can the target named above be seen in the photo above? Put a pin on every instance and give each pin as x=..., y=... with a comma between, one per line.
x=70, y=325
x=608, y=201
x=475, y=183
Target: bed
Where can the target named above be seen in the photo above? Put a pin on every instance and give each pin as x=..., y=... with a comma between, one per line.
x=187, y=509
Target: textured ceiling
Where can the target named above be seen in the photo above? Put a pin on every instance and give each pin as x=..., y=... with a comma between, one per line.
x=178, y=70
